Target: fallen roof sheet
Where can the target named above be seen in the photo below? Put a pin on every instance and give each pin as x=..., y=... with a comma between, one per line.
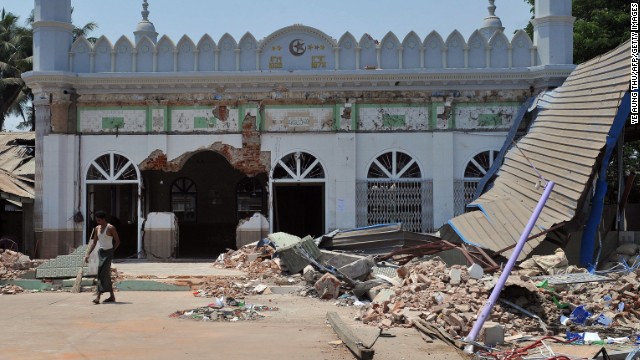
x=564, y=143
x=375, y=240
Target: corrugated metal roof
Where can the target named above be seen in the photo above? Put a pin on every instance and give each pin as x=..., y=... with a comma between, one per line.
x=563, y=143
x=17, y=165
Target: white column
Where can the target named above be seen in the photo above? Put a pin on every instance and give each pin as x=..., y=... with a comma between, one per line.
x=443, y=168
x=344, y=199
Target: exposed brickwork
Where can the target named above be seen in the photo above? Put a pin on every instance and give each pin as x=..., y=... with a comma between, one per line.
x=250, y=160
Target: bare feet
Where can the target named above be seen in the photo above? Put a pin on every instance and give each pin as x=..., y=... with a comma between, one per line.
x=111, y=299
x=96, y=301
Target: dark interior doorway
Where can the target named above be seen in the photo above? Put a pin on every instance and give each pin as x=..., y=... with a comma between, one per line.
x=120, y=203
x=299, y=209
x=202, y=194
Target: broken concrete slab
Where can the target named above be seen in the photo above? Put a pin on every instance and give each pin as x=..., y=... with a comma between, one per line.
x=351, y=340
x=358, y=269
x=293, y=251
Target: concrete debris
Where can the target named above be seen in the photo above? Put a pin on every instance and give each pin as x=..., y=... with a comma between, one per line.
x=14, y=264
x=448, y=298
x=10, y=289
x=328, y=287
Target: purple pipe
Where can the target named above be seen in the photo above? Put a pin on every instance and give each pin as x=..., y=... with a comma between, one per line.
x=484, y=314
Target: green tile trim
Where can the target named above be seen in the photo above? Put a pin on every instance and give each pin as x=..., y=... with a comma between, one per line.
x=393, y=120
x=150, y=117
x=148, y=285
x=489, y=120
x=336, y=116
x=112, y=122
x=204, y=122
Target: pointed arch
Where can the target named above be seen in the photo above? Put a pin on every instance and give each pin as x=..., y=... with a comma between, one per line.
x=165, y=49
x=389, y=52
x=347, y=45
x=206, y=51
x=103, y=49
x=186, y=54
x=455, y=45
x=124, y=55
x=521, y=46
x=227, y=59
x=477, y=50
x=296, y=28
x=81, y=50
x=248, y=46
x=433, y=49
x=368, y=56
x=499, y=45
x=411, y=50
x=144, y=58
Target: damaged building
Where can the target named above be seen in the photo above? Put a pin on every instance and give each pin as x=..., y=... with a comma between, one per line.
x=312, y=132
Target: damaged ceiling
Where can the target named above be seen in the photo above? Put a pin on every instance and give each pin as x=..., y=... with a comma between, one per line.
x=17, y=166
x=564, y=143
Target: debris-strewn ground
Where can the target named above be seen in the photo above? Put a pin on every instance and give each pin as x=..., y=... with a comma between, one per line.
x=451, y=299
x=14, y=264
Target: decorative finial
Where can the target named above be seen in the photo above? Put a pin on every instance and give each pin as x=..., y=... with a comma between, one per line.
x=492, y=8
x=145, y=11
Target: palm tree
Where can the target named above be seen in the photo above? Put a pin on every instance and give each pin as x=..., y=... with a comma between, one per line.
x=16, y=52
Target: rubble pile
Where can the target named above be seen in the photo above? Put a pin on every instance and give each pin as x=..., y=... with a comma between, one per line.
x=256, y=262
x=451, y=299
x=10, y=289
x=13, y=264
x=628, y=253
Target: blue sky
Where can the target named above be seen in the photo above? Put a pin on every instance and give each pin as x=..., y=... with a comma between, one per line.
x=334, y=17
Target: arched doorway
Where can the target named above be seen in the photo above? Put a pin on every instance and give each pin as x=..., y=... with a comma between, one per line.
x=113, y=185
x=202, y=195
x=298, y=195
x=395, y=191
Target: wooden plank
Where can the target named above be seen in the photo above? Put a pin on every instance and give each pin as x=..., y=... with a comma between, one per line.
x=593, y=94
x=557, y=209
x=614, y=82
x=563, y=182
x=569, y=142
x=581, y=115
x=604, y=60
x=556, y=150
x=576, y=129
x=584, y=169
x=348, y=337
x=604, y=98
x=597, y=75
x=556, y=157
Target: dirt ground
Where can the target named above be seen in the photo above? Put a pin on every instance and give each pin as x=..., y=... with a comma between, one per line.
x=68, y=326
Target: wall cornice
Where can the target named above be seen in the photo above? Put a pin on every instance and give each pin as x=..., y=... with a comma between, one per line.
x=236, y=82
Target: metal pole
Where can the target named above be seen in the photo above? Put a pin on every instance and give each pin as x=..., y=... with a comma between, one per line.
x=484, y=314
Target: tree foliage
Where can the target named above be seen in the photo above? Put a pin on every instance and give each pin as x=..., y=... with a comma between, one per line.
x=16, y=54
x=601, y=25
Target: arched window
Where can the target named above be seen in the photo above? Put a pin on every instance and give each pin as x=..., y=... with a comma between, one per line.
x=183, y=199
x=112, y=168
x=474, y=171
x=478, y=166
x=396, y=192
x=298, y=166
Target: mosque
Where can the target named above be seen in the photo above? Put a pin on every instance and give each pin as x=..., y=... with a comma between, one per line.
x=315, y=133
